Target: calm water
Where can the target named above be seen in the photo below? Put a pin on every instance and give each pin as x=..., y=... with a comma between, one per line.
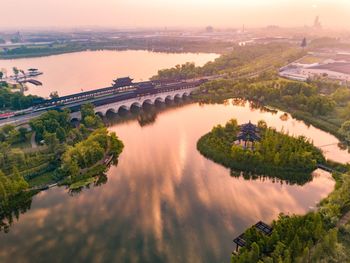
x=164, y=202
x=74, y=72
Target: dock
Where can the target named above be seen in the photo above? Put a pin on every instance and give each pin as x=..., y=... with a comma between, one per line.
x=261, y=226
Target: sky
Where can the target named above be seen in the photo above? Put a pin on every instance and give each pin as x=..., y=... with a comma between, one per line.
x=172, y=13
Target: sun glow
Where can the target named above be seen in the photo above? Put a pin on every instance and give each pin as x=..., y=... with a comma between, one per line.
x=160, y=13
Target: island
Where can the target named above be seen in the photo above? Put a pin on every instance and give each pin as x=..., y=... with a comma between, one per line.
x=261, y=150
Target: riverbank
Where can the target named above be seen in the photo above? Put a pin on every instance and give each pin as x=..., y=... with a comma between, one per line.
x=168, y=46
x=70, y=154
x=156, y=178
x=297, y=246
x=308, y=105
x=302, y=236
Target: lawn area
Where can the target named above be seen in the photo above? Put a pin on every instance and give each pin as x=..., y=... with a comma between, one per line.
x=82, y=183
x=42, y=180
x=310, y=59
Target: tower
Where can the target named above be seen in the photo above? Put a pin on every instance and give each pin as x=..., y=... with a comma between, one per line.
x=317, y=23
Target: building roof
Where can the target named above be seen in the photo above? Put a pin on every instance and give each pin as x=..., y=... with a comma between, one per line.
x=122, y=82
x=249, y=132
x=145, y=85
x=340, y=67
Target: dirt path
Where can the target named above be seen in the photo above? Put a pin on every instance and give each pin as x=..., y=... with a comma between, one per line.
x=33, y=142
x=344, y=219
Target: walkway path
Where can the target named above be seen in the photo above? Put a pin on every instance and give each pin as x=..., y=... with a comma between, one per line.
x=344, y=219
x=33, y=142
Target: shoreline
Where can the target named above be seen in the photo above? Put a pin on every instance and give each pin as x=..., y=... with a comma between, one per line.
x=54, y=53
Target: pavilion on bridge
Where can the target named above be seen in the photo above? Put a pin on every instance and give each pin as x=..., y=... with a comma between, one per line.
x=248, y=135
x=122, y=83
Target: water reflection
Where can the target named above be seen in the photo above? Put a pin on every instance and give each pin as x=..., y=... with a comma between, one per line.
x=82, y=71
x=11, y=210
x=164, y=202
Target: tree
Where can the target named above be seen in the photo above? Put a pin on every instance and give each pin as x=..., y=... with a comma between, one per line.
x=1, y=75
x=54, y=95
x=18, y=181
x=345, y=130
x=87, y=110
x=14, y=136
x=22, y=134
x=16, y=72
x=92, y=121
x=61, y=134
x=51, y=140
x=262, y=124
x=255, y=252
x=303, y=43
x=7, y=128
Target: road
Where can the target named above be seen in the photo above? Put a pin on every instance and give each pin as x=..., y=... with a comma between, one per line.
x=18, y=120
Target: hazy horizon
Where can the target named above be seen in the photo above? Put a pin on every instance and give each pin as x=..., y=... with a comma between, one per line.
x=167, y=13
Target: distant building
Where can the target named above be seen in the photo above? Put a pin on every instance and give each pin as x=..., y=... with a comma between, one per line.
x=317, y=23
x=335, y=71
x=17, y=38
x=331, y=70
x=209, y=29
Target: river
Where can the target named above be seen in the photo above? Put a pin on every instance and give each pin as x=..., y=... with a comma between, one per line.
x=164, y=202
x=82, y=71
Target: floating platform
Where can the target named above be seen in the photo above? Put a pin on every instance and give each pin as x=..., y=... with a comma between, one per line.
x=261, y=226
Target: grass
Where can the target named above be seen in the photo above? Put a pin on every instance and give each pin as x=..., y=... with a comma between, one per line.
x=344, y=239
x=82, y=183
x=43, y=179
x=310, y=60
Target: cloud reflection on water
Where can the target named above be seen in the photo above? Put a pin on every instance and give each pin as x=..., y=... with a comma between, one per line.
x=164, y=202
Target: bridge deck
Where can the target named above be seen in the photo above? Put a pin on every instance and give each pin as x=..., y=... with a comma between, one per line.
x=158, y=87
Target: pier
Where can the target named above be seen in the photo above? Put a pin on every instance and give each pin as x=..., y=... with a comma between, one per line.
x=260, y=226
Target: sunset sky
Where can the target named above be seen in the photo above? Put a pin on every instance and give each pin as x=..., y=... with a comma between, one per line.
x=172, y=13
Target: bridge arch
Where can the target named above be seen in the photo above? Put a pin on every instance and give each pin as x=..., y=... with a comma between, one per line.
x=185, y=94
x=169, y=97
x=99, y=113
x=111, y=111
x=159, y=99
x=147, y=102
x=177, y=96
x=123, y=108
x=135, y=104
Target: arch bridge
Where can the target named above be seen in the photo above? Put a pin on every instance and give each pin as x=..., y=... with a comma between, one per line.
x=139, y=101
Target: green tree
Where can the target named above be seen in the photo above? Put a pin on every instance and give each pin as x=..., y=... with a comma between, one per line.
x=54, y=95
x=15, y=72
x=255, y=252
x=61, y=134
x=22, y=134
x=14, y=136
x=51, y=141
x=87, y=110
x=345, y=130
